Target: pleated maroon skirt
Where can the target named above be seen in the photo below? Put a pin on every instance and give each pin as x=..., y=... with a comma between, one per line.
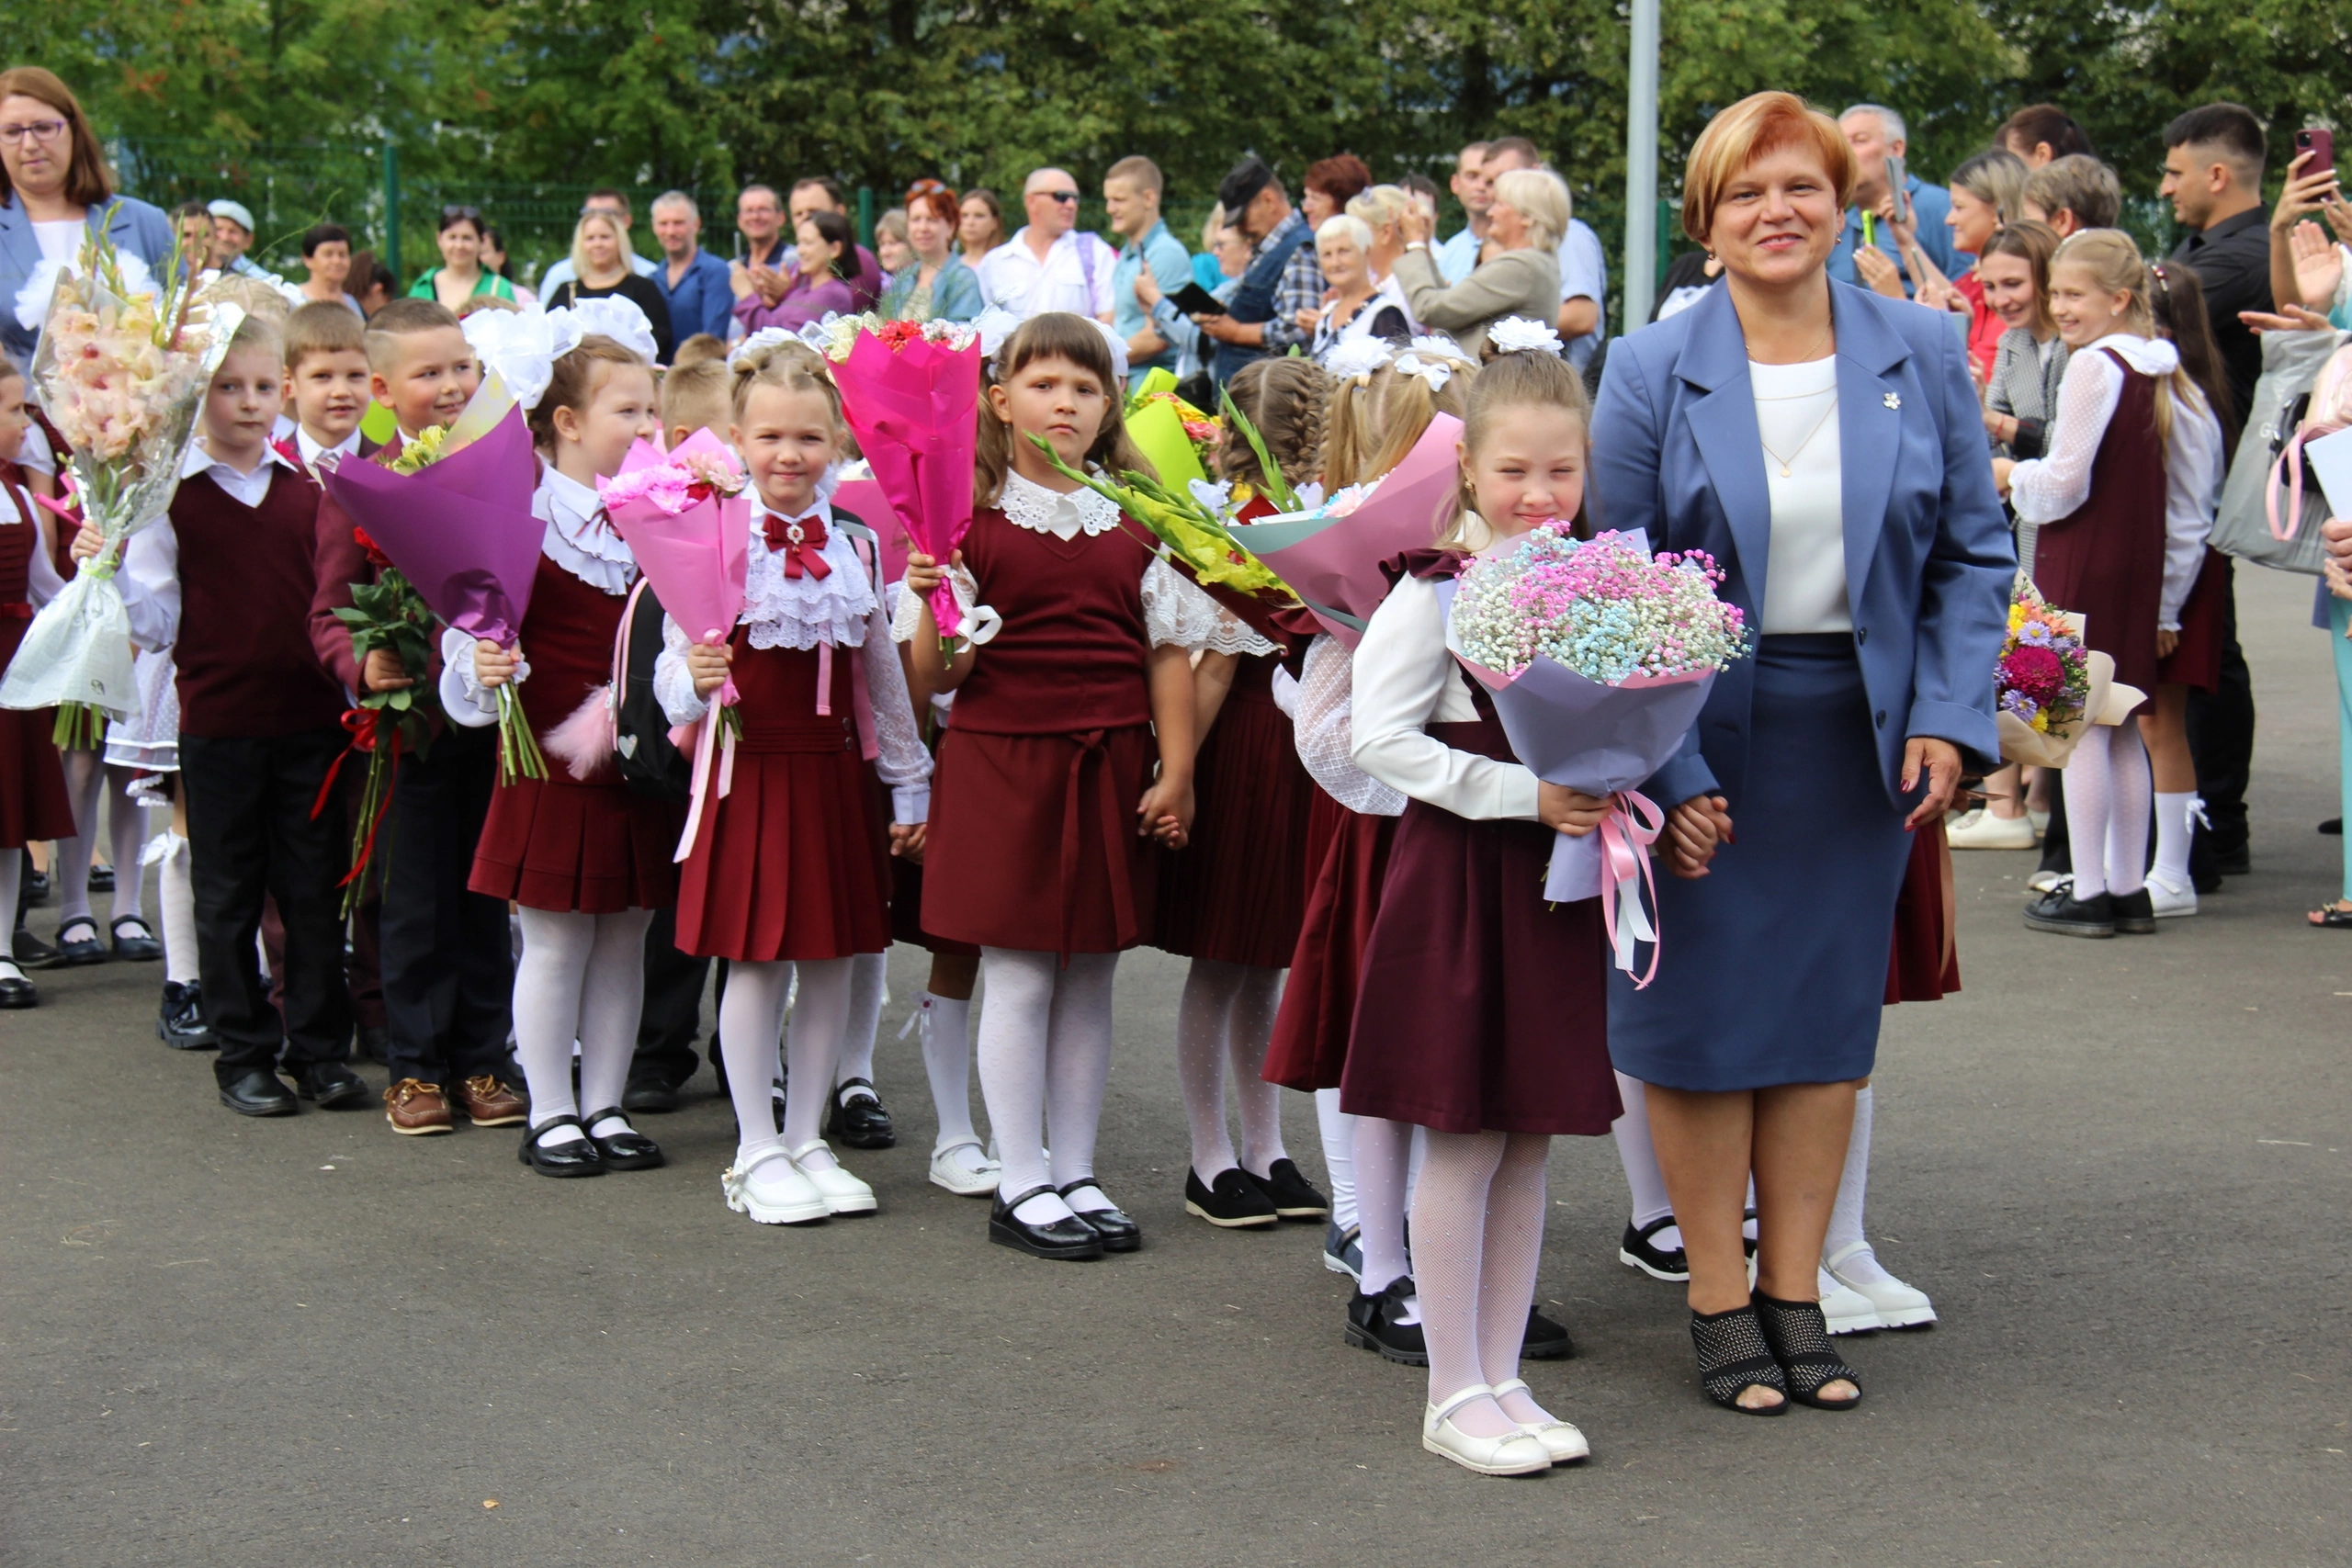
x=34, y=805
x=1924, y=966
x=906, y=914
x=1310, y=1049
x=1235, y=894
x=2196, y=658
x=591, y=849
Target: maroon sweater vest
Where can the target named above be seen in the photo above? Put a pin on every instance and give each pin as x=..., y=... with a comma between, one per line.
x=246, y=666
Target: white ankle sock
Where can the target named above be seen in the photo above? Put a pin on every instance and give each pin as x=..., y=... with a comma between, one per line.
x=946, y=1023
x=176, y=907
x=1845, y=1214
x=1339, y=1131
x=2175, y=813
x=1644, y=1184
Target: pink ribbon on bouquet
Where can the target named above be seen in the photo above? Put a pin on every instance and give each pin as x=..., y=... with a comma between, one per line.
x=711, y=732
x=1632, y=825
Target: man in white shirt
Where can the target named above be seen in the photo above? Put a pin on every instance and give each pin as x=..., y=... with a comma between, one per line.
x=1049, y=265
x=612, y=204
x=1458, y=257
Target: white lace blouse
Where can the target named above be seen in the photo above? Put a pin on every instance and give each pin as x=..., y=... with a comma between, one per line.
x=2044, y=490
x=1321, y=729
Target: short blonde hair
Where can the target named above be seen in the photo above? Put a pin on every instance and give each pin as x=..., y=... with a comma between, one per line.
x=620, y=239
x=1758, y=124
x=1542, y=197
x=1348, y=226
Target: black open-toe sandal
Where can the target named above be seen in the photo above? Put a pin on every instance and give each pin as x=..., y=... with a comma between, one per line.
x=1799, y=1337
x=1734, y=1358
x=2329, y=916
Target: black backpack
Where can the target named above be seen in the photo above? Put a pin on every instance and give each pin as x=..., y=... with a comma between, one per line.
x=649, y=764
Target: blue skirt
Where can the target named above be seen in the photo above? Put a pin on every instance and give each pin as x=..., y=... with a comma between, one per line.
x=1774, y=966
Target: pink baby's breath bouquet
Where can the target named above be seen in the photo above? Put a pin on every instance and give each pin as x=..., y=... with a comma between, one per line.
x=1597, y=657
x=120, y=370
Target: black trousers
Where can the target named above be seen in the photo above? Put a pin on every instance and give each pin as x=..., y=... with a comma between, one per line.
x=2221, y=737
x=251, y=836
x=673, y=1015
x=449, y=960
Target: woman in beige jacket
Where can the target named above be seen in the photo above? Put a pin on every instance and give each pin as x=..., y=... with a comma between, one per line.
x=1523, y=229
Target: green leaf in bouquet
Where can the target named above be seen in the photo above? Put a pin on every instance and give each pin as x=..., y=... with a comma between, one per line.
x=1277, y=488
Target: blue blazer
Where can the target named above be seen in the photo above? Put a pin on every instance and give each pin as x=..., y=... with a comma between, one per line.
x=136, y=227
x=1929, y=557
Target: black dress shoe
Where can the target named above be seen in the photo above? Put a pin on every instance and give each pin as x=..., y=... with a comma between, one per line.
x=1545, y=1340
x=2332, y=827
x=1119, y=1232
x=29, y=950
x=76, y=952
x=650, y=1093
x=858, y=1118
x=139, y=946
x=179, y=1023
x=257, y=1093
x=16, y=991
x=1292, y=1196
x=627, y=1150
x=102, y=879
x=2060, y=911
x=1071, y=1240
x=334, y=1086
x=1233, y=1201
x=580, y=1156
x=1636, y=1250
x=1372, y=1324
x=2134, y=913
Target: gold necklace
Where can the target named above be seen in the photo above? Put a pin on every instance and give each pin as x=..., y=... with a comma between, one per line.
x=1786, y=463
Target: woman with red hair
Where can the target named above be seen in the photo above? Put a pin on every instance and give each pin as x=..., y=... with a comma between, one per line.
x=938, y=286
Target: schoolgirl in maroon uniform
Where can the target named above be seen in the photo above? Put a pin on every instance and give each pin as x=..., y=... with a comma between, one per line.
x=585, y=858
x=789, y=869
x=1069, y=760
x=33, y=802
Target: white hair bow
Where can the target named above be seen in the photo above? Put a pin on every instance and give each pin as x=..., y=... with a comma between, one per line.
x=522, y=346
x=1435, y=372
x=766, y=337
x=622, y=320
x=1356, y=357
x=1517, y=334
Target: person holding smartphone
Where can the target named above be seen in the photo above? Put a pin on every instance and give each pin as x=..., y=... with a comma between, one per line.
x=1893, y=209
x=2309, y=265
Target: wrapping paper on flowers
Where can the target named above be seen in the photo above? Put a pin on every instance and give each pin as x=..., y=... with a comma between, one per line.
x=911, y=392
x=683, y=517
x=120, y=369
x=2048, y=687
x=1597, y=657
x=453, y=512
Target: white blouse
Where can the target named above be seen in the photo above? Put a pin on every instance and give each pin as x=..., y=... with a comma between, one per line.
x=2047, y=489
x=1804, y=565
x=1322, y=728
x=1405, y=679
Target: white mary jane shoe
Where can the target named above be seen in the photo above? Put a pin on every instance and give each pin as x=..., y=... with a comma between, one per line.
x=2168, y=900
x=976, y=1180
x=842, y=1194
x=1513, y=1453
x=1898, y=1305
x=1845, y=1311
x=1561, y=1440
x=769, y=1188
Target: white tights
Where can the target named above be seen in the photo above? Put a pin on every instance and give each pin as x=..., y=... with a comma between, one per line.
x=175, y=898
x=1477, y=1237
x=580, y=977
x=751, y=1020
x=88, y=781
x=1339, y=1131
x=869, y=987
x=1228, y=1015
x=2109, y=791
x=1383, y=1158
x=1045, y=1055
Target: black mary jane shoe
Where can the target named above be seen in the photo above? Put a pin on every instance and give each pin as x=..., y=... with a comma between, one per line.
x=2059, y=911
x=258, y=1093
x=1545, y=1340
x=28, y=951
x=76, y=952
x=1118, y=1230
x=179, y=1023
x=1372, y=1325
x=16, y=991
x=1071, y=1240
x=1233, y=1201
x=627, y=1150
x=580, y=1156
x=857, y=1117
x=1799, y=1339
x=335, y=1086
x=2135, y=913
x=1733, y=1357
x=1636, y=1250
x=1292, y=1196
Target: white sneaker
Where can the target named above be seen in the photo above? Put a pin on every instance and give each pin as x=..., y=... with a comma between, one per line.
x=2171, y=900
x=1983, y=830
x=1513, y=1453
x=2039, y=817
x=971, y=1176
x=1898, y=1305
x=1560, y=1439
x=2049, y=881
x=842, y=1194
x=767, y=1186
x=1846, y=1311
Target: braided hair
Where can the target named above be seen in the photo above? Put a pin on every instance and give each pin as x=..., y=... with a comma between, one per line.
x=1289, y=401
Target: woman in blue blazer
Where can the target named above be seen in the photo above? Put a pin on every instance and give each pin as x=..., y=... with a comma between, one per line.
x=1824, y=444
x=54, y=190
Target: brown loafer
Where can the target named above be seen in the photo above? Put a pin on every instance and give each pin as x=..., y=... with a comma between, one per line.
x=489, y=1103
x=415, y=1108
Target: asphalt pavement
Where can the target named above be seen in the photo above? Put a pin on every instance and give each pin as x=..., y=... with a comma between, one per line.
x=2122, y=1169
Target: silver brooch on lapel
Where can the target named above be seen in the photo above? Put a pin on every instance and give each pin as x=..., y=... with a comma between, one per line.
x=1893, y=400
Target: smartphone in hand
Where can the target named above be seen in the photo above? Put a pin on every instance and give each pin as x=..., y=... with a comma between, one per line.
x=1897, y=181
x=2320, y=142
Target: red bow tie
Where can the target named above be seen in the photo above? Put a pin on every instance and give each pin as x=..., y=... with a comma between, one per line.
x=802, y=541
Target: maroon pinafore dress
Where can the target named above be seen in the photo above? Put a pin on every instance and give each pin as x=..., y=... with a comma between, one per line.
x=2105, y=561
x=33, y=802
x=594, y=847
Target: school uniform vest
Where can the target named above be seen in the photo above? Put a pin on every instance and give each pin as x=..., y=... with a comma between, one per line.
x=246, y=666
x=1073, y=652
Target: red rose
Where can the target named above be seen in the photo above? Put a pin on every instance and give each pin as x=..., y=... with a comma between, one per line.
x=376, y=556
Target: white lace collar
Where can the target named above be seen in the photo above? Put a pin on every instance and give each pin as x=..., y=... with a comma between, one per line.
x=578, y=538
x=801, y=612
x=1031, y=505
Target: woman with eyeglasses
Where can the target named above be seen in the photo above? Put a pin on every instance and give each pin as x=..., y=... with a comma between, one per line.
x=461, y=276
x=55, y=190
